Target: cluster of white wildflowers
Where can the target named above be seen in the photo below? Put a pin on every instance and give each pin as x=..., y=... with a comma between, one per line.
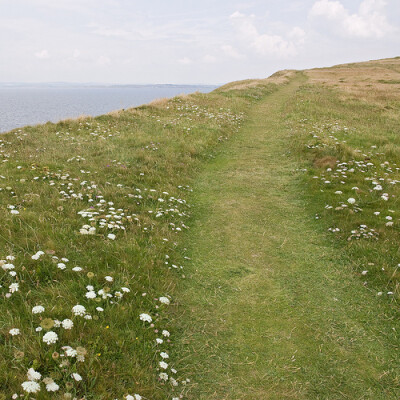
x=375, y=180
x=363, y=232
x=9, y=278
x=58, y=332
x=162, y=205
x=360, y=189
x=101, y=216
x=53, y=332
x=69, y=187
x=166, y=372
x=106, y=293
x=186, y=112
x=89, y=130
x=104, y=216
x=4, y=151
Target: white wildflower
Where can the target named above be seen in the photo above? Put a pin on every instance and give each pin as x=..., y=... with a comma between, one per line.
x=33, y=375
x=163, y=365
x=57, y=323
x=37, y=255
x=31, y=387
x=163, y=376
x=67, y=324
x=145, y=317
x=50, y=338
x=76, y=376
x=14, y=331
x=52, y=386
x=70, y=352
x=173, y=382
x=14, y=287
x=91, y=294
x=79, y=310
x=37, y=310
x=164, y=300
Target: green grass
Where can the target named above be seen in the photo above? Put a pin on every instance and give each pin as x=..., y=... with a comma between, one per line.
x=274, y=307
x=218, y=206
x=130, y=169
x=363, y=143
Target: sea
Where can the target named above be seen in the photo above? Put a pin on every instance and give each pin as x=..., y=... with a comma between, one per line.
x=31, y=104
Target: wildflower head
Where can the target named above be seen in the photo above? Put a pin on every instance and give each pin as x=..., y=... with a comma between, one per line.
x=47, y=323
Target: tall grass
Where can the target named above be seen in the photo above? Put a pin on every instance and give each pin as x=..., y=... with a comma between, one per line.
x=350, y=151
x=92, y=210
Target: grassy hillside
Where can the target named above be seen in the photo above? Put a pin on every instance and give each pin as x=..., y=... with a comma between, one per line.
x=110, y=286
x=92, y=215
x=294, y=282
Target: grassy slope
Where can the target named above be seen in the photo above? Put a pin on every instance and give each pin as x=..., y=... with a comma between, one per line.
x=275, y=308
x=287, y=316
x=133, y=167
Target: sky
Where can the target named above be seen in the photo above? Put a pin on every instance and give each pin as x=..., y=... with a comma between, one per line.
x=188, y=42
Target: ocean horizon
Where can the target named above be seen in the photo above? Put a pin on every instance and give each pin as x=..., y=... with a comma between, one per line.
x=24, y=104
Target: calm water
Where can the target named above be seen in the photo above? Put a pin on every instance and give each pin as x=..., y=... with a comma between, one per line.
x=29, y=105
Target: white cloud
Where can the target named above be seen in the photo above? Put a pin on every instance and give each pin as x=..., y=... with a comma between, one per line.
x=103, y=60
x=231, y=51
x=267, y=44
x=369, y=22
x=76, y=53
x=112, y=32
x=209, y=59
x=42, y=54
x=185, y=61
x=297, y=34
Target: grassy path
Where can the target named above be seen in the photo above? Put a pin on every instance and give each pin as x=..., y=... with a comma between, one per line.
x=270, y=309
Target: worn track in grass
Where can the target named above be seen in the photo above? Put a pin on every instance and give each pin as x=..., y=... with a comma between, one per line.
x=270, y=310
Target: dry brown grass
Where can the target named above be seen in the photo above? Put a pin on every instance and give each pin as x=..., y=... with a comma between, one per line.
x=80, y=118
x=376, y=82
x=325, y=162
x=159, y=103
x=279, y=77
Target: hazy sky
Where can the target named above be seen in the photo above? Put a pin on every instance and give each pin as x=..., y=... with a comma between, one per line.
x=184, y=41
